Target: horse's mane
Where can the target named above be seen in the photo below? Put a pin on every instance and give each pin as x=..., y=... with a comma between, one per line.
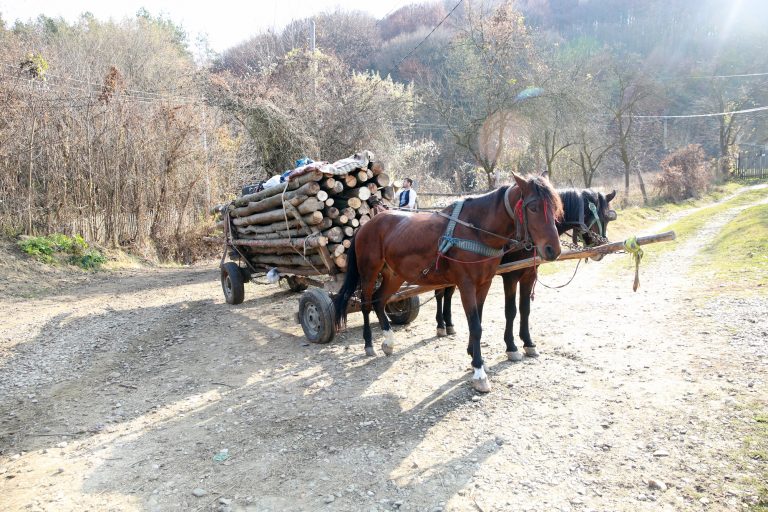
x=595, y=197
x=547, y=192
x=573, y=204
x=541, y=187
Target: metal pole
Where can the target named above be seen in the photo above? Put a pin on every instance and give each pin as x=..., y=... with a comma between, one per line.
x=312, y=35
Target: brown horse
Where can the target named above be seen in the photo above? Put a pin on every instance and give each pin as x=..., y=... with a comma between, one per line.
x=424, y=249
x=585, y=212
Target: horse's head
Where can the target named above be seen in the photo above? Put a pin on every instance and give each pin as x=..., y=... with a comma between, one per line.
x=539, y=209
x=597, y=214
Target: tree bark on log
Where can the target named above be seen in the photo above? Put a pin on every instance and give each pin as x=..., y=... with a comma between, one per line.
x=364, y=209
x=352, y=202
x=336, y=249
x=361, y=193
x=281, y=233
x=296, y=243
x=341, y=220
x=335, y=234
x=349, y=212
x=287, y=259
x=308, y=206
x=292, y=185
x=311, y=219
x=276, y=201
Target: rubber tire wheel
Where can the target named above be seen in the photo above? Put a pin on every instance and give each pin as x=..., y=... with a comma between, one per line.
x=316, y=314
x=232, y=283
x=403, y=311
x=294, y=285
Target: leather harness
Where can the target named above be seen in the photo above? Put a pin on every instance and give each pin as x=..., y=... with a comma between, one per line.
x=519, y=215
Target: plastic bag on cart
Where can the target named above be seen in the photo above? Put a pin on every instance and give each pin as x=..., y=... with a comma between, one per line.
x=273, y=276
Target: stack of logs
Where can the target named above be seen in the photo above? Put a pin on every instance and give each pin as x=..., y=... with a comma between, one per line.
x=305, y=228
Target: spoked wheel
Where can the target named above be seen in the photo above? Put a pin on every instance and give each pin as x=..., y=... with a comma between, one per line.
x=232, y=282
x=403, y=311
x=316, y=313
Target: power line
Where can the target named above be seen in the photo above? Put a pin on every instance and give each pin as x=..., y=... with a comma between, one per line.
x=716, y=114
x=433, y=30
x=728, y=76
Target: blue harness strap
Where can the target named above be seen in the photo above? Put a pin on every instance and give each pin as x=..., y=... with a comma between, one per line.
x=448, y=241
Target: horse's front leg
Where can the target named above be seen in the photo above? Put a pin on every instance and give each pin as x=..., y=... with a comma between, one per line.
x=439, y=295
x=526, y=285
x=510, y=311
x=447, y=310
x=472, y=298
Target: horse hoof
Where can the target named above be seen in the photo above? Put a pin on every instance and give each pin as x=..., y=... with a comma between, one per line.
x=531, y=351
x=388, y=349
x=450, y=330
x=370, y=352
x=481, y=385
x=515, y=356
x=441, y=332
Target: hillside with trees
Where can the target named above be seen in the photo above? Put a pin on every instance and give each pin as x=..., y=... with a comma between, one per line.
x=123, y=132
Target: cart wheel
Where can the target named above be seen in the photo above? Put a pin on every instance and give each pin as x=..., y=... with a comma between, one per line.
x=403, y=311
x=295, y=285
x=232, y=282
x=316, y=315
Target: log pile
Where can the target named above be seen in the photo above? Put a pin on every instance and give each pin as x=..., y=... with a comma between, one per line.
x=305, y=226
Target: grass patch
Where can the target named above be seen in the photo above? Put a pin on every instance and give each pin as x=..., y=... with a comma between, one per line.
x=739, y=253
x=57, y=249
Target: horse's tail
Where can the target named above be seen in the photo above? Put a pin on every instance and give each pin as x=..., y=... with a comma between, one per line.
x=351, y=283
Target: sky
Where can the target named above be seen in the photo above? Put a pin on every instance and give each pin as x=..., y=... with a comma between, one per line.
x=225, y=22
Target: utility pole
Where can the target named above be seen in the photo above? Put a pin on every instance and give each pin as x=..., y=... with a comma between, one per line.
x=312, y=35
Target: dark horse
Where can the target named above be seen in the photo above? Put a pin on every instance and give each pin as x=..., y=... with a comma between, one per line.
x=585, y=212
x=404, y=247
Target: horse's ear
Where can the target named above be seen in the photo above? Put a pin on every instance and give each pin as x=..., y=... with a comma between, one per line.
x=610, y=196
x=521, y=182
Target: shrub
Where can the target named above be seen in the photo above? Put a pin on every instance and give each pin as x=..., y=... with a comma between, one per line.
x=187, y=246
x=58, y=247
x=684, y=173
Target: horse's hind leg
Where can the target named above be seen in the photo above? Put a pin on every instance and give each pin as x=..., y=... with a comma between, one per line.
x=367, y=334
x=389, y=285
x=367, y=284
x=526, y=285
x=510, y=311
x=439, y=295
x=447, y=310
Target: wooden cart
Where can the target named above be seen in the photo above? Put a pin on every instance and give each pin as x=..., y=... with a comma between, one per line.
x=316, y=310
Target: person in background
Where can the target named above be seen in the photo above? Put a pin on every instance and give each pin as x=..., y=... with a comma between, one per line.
x=406, y=198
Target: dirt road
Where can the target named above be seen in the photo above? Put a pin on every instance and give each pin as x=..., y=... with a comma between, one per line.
x=142, y=390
